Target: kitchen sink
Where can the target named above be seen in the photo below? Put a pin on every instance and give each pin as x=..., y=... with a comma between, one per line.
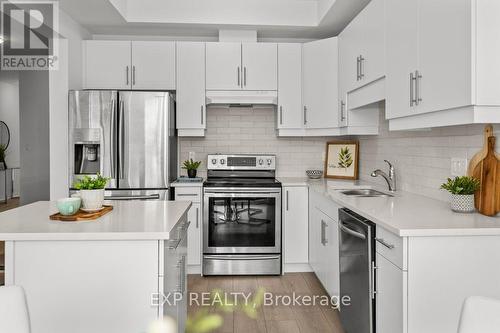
x=365, y=192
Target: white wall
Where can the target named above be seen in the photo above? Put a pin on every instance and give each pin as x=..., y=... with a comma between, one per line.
x=9, y=112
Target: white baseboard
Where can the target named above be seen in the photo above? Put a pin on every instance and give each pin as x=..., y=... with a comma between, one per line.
x=297, y=268
x=194, y=269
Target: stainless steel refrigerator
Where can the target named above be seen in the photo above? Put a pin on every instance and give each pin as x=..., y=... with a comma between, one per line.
x=128, y=136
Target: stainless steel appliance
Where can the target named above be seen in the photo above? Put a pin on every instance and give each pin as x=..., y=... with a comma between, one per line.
x=357, y=278
x=128, y=136
x=242, y=216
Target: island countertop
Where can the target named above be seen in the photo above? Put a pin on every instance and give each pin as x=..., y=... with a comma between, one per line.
x=129, y=220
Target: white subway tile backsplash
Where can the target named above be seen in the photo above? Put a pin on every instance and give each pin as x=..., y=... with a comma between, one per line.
x=422, y=158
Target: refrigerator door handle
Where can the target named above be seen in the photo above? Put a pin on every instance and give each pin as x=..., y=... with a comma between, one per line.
x=113, y=139
x=121, y=139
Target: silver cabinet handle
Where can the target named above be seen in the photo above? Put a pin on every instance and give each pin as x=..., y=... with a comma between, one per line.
x=373, y=279
x=201, y=113
x=412, y=95
x=342, y=111
x=133, y=75
x=357, y=69
x=245, y=76
x=418, y=77
x=305, y=115
x=133, y=197
x=238, y=73
x=197, y=218
x=384, y=243
x=324, y=239
x=287, y=200
x=126, y=74
x=186, y=195
x=361, y=71
x=281, y=115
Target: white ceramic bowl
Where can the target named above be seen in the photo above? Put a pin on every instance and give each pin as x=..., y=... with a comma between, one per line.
x=314, y=174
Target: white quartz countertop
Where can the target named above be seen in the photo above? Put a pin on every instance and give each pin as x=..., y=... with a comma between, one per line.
x=178, y=183
x=129, y=220
x=405, y=214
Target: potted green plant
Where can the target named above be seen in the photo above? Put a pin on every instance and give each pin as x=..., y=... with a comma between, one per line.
x=191, y=167
x=462, y=193
x=91, y=191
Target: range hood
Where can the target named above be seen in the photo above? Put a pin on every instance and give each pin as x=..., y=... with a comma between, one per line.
x=241, y=97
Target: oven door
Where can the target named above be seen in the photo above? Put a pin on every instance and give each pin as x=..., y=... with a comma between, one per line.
x=242, y=220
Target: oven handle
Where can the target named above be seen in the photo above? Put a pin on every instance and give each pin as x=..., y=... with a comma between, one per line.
x=240, y=192
x=240, y=257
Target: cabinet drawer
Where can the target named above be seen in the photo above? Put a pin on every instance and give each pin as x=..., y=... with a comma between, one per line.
x=188, y=194
x=392, y=247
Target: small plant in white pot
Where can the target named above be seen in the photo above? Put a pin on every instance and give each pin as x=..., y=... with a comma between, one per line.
x=462, y=191
x=91, y=191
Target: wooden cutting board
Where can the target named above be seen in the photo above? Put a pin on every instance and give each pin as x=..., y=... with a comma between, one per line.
x=81, y=215
x=487, y=170
x=474, y=161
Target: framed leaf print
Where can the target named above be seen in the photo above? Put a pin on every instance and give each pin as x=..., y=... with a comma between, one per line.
x=342, y=159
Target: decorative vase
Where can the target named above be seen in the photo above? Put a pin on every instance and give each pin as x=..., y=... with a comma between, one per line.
x=462, y=203
x=192, y=173
x=92, y=199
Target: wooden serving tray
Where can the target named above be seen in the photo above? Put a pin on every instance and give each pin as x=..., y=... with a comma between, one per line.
x=81, y=215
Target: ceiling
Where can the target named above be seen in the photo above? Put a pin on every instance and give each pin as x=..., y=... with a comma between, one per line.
x=273, y=19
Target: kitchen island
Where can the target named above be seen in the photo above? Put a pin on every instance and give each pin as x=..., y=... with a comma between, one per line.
x=105, y=275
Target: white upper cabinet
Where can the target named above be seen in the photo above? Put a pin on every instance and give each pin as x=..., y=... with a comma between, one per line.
x=153, y=65
x=290, y=85
x=320, y=84
x=191, y=112
x=260, y=66
x=247, y=66
x=107, y=64
x=362, y=47
x=223, y=70
x=442, y=58
x=401, y=60
x=129, y=65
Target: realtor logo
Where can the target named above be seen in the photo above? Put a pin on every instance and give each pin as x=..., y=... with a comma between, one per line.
x=29, y=34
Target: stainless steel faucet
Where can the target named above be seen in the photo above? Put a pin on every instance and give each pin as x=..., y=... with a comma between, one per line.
x=390, y=179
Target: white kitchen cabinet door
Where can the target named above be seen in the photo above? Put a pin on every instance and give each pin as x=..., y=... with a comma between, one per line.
x=444, y=54
x=190, y=94
x=295, y=224
x=389, y=297
x=314, y=235
x=332, y=257
x=373, y=50
x=260, y=66
x=347, y=72
x=320, y=83
x=350, y=45
x=107, y=64
x=223, y=61
x=401, y=55
x=194, y=235
x=290, y=85
x=153, y=65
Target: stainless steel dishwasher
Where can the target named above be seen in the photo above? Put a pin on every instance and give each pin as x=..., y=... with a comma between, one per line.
x=357, y=280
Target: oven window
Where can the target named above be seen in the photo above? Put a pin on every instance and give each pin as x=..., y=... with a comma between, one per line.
x=242, y=222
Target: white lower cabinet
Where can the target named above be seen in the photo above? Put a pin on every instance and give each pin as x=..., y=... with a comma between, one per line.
x=324, y=242
x=295, y=226
x=192, y=193
x=390, y=301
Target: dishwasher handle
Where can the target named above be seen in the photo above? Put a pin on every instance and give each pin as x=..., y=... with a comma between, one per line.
x=351, y=232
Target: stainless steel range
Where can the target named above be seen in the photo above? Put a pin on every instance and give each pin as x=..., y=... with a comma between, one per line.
x=242, y=216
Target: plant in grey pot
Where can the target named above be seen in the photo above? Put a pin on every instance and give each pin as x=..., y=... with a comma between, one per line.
x=462, y=193
x=191, y=167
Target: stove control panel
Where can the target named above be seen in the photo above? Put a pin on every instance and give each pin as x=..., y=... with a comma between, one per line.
x=241, y=162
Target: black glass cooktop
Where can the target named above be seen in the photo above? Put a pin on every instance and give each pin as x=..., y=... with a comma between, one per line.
x=241, y=182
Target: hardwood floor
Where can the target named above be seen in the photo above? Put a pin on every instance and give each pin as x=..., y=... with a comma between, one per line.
x=271, y=318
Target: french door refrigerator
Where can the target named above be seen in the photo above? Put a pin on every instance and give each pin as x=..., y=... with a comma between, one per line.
x=128, y=136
